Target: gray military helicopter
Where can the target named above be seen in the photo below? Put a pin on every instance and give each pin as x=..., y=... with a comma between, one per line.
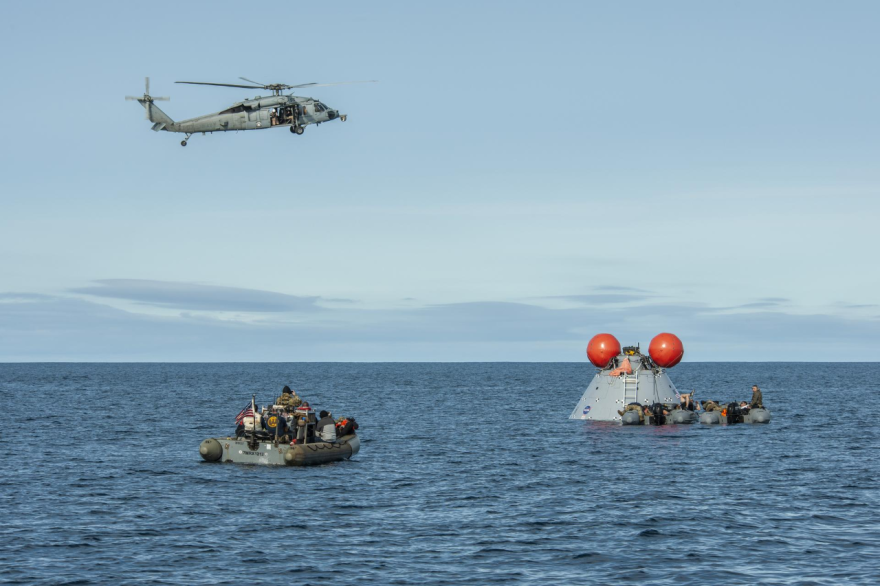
x=277, y=110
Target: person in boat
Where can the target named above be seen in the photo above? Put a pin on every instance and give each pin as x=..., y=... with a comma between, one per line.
x=744, y=407
x=634, y=407
x=275, y=423
x=288, y=400
x=345, y=426
x=326, y=427
x=686, y=403
x=713, y=406
x=304, y=420
x=757, y=401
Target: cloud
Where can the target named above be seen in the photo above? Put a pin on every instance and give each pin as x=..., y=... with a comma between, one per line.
x=68, y=328
x=608, y=295
x=604, y=298
x=199, y=297
x=614, y=288
x=22, y=297
x=763, y=303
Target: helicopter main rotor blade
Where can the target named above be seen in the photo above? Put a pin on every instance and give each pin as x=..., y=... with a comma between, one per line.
x=258, y=87
x=252, y=81
x=313, y=84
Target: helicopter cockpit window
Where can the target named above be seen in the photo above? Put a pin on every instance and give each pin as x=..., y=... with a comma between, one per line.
x=319, y=107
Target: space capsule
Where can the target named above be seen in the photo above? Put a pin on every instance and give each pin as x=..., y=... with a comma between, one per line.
x=633, y=388
x=628, y=376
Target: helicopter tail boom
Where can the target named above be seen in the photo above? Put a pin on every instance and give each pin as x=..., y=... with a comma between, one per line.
x=154, y=114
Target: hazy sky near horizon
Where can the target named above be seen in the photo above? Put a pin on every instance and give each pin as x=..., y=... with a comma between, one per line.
x=523, y=176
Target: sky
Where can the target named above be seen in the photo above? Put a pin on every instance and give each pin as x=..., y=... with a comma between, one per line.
x=523, y=176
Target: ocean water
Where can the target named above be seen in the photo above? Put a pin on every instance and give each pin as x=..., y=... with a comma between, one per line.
x=468, y=474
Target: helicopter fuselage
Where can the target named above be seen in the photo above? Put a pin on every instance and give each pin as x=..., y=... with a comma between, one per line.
x=256, y=114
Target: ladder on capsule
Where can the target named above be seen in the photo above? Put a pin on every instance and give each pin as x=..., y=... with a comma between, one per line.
x=630, y=388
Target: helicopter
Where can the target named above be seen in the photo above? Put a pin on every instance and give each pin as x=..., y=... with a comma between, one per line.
x=275, y=111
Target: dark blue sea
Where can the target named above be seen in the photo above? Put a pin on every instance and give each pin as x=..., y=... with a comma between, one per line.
x=467, y=474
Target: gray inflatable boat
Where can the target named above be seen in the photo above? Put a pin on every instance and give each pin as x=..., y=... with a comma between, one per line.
x=675, y=417
x=683, y=417
x=759, y=415
x=245, y=451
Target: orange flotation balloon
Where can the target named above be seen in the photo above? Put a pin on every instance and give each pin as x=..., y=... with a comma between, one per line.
x=602, y=348
x=666, y=350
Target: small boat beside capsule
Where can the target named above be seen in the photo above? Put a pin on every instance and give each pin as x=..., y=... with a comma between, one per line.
x=733, y=414
x=757, y=415
x=682, y=417
x=712, y=418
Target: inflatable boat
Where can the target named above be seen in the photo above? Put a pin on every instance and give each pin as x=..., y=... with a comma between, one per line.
x=249, y=451
x=682, y=417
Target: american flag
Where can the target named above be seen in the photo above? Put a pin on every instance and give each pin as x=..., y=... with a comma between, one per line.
x=246, y=412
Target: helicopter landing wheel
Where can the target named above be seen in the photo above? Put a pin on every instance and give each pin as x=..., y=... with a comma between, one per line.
x=298, y=129
x=183, y=143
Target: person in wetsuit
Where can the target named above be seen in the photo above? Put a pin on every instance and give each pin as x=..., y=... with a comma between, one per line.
x=634, y=407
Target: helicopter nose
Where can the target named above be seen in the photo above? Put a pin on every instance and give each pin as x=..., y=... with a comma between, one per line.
x=332, y=114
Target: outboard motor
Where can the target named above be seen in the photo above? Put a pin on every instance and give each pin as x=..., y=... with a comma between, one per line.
x=657, y=417
x=734, y=414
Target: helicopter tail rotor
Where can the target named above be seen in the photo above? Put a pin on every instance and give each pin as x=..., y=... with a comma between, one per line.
x=147, y=100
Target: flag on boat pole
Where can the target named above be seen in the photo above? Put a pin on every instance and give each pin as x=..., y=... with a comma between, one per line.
x=248, y=411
